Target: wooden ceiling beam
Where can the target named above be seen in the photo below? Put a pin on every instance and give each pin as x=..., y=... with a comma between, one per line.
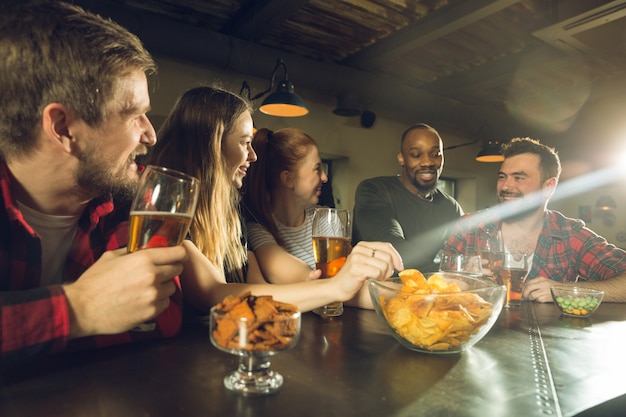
x=428, y=29
x=258, y=18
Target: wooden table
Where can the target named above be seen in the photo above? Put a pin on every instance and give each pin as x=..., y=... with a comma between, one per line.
x=534, y=362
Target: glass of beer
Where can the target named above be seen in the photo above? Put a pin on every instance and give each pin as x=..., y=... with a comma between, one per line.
x=162, y=208
x=332, y=235
x=511, y=269
x=161, y=212
x=486, y=243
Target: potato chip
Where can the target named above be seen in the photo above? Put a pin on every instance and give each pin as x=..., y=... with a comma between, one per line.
x=413, y=279
x=434, y=314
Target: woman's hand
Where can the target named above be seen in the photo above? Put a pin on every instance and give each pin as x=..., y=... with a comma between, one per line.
x=368, y=260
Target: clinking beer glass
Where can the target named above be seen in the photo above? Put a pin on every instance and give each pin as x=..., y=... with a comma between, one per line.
x=161, y=212
x=332, y=234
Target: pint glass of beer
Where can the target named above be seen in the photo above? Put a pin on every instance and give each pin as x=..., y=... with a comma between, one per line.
x=161, y=212
x=511, y=269
x=162, y=209
x=332, y=233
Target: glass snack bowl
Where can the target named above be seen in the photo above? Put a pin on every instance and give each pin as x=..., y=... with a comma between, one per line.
x=449, y=315
x=576, y=301
x=254, y=341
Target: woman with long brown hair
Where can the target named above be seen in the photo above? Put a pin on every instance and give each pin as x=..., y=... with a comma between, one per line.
x=208, y=134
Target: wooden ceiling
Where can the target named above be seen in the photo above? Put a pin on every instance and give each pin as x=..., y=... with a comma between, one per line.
x=525, y=66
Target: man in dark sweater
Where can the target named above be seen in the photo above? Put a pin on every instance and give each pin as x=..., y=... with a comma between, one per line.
x=407, y=209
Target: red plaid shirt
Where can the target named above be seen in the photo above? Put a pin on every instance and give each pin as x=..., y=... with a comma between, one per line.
x=34, y=320
x=566, y=250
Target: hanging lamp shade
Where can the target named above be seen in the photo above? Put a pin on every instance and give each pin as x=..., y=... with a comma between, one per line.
x=490, y=152
x=284, y=102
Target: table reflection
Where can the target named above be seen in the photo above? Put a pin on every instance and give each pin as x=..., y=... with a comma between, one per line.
x=533, y=362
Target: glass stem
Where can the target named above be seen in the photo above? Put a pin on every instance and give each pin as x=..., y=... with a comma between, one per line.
x=251, y=364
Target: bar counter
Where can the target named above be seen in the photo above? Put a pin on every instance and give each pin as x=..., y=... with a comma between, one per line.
x=534, y=362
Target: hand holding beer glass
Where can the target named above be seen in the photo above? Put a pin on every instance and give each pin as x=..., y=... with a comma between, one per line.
x=161, y=212
x=332, y=234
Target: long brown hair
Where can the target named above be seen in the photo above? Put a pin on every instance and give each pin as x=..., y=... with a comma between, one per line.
x=190, y=140
x=276, y=152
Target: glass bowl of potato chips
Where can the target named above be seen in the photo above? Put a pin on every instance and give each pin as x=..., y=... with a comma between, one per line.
x=440, y=312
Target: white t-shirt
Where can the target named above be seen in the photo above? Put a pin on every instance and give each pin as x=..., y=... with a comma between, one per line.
x=298, y=240
x=57, y=234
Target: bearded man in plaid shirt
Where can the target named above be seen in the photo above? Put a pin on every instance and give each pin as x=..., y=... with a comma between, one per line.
x=74, y=102
x=562, y=250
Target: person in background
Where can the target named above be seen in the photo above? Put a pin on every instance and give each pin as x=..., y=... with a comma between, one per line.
x=208, y=134
x=74, y=102
x=409, y=210
x=281, y=192
x=563, y=250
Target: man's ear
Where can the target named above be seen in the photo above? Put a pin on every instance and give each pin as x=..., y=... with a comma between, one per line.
x=549, y=185
x=400, y=159
x=55, y=125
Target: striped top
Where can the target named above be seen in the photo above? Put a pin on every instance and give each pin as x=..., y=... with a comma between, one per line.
x=298, y=240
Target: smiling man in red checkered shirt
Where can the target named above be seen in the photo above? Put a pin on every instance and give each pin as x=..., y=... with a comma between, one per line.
x=563, y=250
x=73, y=118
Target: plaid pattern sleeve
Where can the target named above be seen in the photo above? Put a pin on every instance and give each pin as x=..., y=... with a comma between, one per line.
x=456, y=243
x=463, y=238
x=35, y=320
x=107, y=229
x=32, y=322
x=568, y=251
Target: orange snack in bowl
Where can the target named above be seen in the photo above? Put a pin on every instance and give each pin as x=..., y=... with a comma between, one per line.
x=254, y=323
x=433, y=313
x=413, y=280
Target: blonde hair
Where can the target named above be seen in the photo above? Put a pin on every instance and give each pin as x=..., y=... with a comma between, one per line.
x=190, y=140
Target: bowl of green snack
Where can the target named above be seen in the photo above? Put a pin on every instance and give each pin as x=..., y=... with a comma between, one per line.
x=576, y=301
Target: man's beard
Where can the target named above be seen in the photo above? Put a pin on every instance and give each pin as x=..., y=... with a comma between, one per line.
x=522, y=208
x=424, y=190
x=95, y=177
